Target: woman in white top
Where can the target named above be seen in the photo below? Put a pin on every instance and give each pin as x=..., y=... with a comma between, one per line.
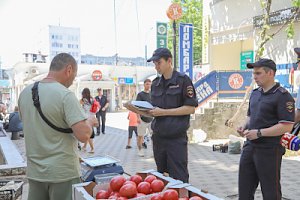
x=86, y=102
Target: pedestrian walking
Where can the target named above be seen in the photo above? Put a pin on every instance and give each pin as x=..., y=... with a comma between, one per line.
x=132, y=127
x=270, y=115
x=53, y=121
x=101, y=114
x=86, y=102
x=174, y=98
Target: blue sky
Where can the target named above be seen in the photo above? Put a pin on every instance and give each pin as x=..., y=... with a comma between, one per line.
x=24, y=25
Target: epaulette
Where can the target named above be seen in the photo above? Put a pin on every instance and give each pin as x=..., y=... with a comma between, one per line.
x=282, y=89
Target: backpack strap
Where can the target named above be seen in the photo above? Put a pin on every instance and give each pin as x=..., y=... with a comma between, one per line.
x=36, y=103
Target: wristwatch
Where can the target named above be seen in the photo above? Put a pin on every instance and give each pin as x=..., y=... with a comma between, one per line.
x=258, y=133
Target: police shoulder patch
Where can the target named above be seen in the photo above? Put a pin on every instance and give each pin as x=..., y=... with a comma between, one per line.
x=290, y=106
x=189, y=91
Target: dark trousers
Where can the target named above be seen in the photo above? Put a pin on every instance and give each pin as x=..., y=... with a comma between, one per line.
x=101, y=115
x=171, y=156
x=260, y=165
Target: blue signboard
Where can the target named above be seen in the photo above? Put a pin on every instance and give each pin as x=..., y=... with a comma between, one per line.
x=186, y=49
x=282, y=75
x=233, y=84
x=126, y=81
x=206, y=87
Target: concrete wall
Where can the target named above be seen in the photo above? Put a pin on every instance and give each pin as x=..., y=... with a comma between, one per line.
x=213, y=120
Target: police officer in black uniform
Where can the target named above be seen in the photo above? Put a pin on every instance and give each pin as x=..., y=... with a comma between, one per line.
x=173, y=96
x=270, y=115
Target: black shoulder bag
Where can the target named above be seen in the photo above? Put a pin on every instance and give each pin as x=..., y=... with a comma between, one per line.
x=36, y=103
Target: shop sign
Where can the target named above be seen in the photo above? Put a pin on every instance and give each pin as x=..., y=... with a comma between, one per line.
x=126, y=81
x=174, y=11
x=186, y=49
x=161, y=34
x=97, y=75
x=276, y=18
x=206, y=87
x=246, y=57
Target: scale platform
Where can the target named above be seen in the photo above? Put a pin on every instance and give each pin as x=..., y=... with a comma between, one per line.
x=92, y=166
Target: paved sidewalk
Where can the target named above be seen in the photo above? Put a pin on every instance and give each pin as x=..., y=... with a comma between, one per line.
x=213, y=171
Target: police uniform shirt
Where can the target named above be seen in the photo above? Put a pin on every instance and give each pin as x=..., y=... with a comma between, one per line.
x=172, y=93
x=267, y=109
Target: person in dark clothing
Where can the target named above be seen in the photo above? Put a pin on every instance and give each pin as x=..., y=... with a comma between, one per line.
x=270, y=114
x=174, y=98
x=144, y=123
x=15, y=124
x=102, y=112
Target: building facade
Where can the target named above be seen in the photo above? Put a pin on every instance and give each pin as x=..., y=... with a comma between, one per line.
x=231, y=32
x=64, y=39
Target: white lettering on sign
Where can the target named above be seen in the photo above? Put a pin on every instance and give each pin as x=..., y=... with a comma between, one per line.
x=203, y=91
x=186, y=46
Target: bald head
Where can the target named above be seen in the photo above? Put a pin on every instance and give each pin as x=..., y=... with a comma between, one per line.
x=61, y=60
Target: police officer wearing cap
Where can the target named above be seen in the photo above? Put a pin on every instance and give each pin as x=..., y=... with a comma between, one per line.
x=270, y=115
x=174, y=99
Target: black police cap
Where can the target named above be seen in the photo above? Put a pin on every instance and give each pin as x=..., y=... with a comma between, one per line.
x=297, y=51
x=263, y=62
x=160, y=53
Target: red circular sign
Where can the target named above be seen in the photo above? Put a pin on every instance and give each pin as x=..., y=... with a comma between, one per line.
x=174, y=11
x=97, y=75
x=235, y=81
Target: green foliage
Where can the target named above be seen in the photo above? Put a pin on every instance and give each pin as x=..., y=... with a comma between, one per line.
x=290, y=31
x=192, y=13
x=296, y=3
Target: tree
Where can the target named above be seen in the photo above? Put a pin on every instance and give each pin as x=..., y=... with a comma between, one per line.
x=192, y=13
x=265, y=37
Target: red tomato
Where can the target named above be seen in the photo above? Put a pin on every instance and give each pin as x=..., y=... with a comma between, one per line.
x=136, y=178
x=150, y=178
x=130, y=182
x=144, y=187
x=157, y=186
x=128, y=191
x=140, y=195
x=196, y=198
x=170, y=195
x=117, y=182
x=115, y=194
x=121, y=198
x=102, y=194
x=157, y=197
x=109, y=190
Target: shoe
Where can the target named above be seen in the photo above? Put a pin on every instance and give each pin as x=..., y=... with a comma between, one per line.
x=98, y=133
x=92, y=151
x=128, y=147
x=141, y=153
x=144, y=145
x=83, y=148
x=103, y=132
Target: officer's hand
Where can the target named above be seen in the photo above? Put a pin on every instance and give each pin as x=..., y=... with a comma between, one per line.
x=103, y=109
x=138, y=120
x=251, y=134
x=157, y=112
x=240, y=131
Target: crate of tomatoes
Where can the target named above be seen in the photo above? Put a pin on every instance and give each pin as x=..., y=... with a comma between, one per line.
x=147, y=185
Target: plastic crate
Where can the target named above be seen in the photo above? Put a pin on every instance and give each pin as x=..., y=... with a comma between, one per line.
x=11, y=194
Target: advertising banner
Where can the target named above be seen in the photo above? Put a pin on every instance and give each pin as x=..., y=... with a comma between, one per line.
x=186, y=49
x=206, y=87
x=233, y=84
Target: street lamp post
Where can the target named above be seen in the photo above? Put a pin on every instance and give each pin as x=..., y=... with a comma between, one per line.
x=146, y=47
